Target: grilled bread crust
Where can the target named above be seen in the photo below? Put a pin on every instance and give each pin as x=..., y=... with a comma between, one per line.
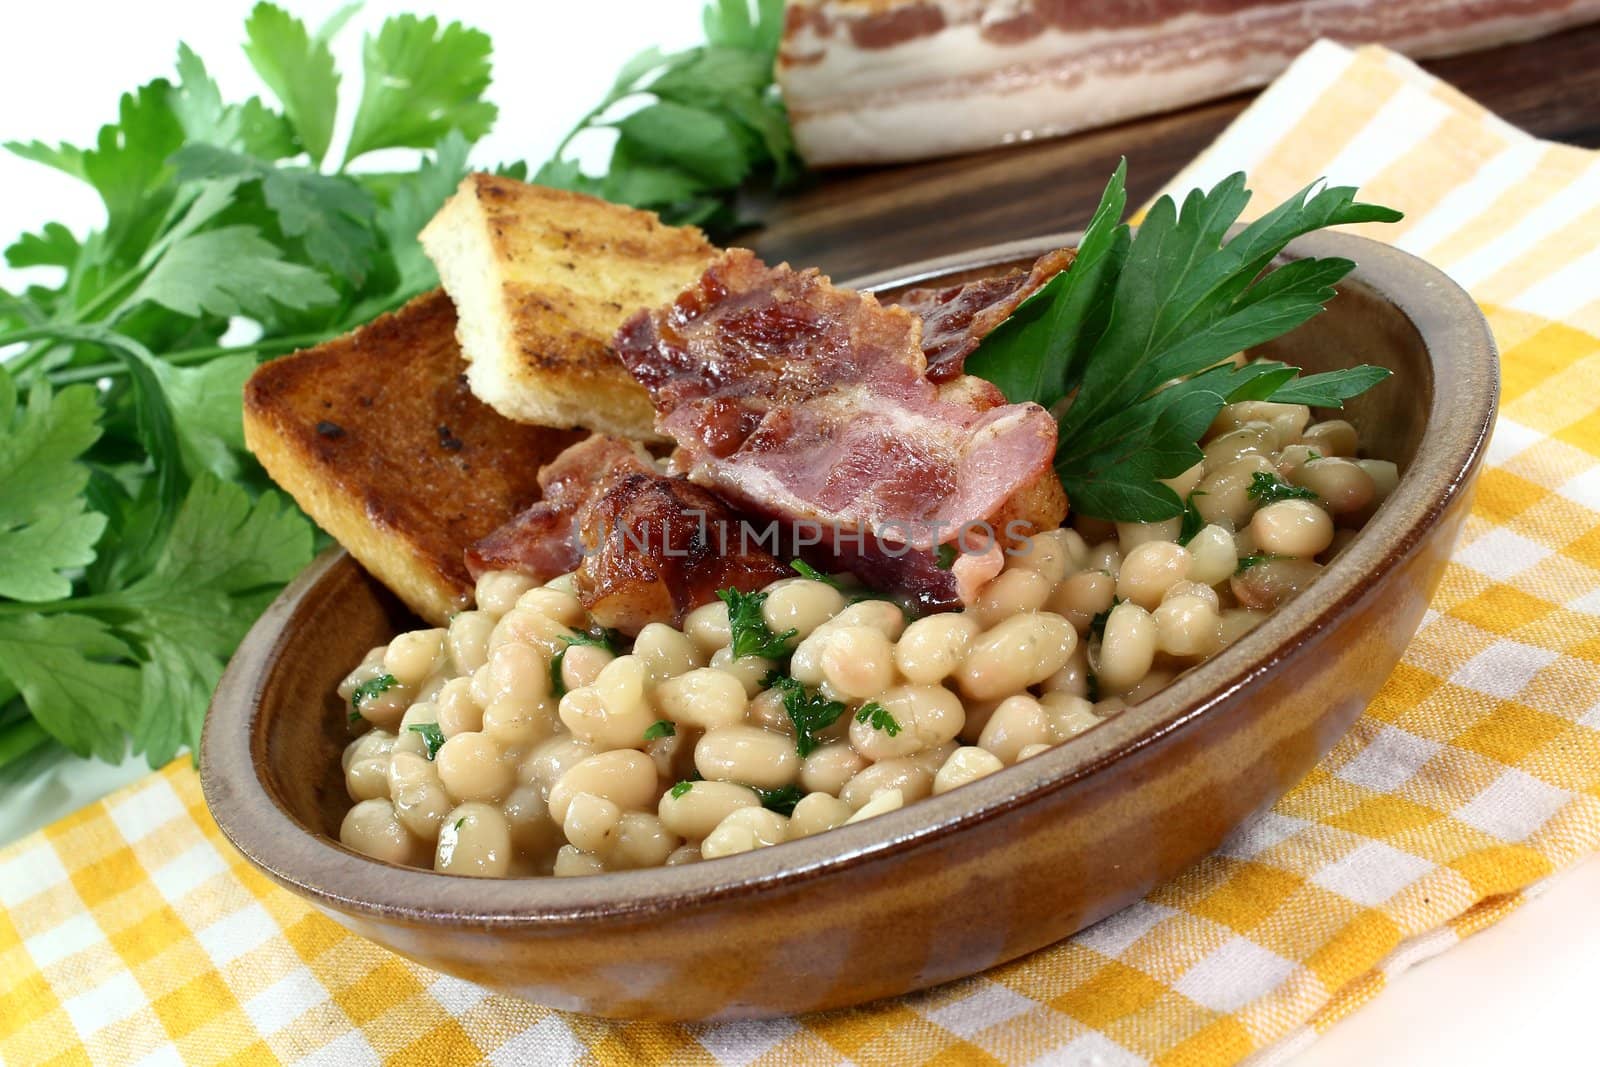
x=378, y=439
x=541, y=279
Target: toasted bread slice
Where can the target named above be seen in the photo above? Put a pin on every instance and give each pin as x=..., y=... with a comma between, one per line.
x=377, y=437
x=541, y=280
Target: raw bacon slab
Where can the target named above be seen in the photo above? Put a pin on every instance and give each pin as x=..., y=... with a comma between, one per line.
x=645, y=547
x=811, y=405
x=873, y=81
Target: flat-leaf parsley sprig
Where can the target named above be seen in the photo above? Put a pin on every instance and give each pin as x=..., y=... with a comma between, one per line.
x=1132, y=345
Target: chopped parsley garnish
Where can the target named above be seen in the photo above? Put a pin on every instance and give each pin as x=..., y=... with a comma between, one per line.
x=748, y=626
x=1312, y=455
x=810, y=712
x=609, y=640
x=806, y=570
x=371, y=688
x=1268, y=488
x=1255, y=559
x=945, y=557
x=432, y=736
x=459, y=823
x=1097, y=625
x=1132, y=345
x=876, y=715
x=659, y=729
x=782, y=800
x=1193, y=522
x=680, y=789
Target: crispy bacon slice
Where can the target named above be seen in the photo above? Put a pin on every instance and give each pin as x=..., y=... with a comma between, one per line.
x=646, y=547
x=956, y=318
x=661, y=547
x=541, y=541
x=810, y=404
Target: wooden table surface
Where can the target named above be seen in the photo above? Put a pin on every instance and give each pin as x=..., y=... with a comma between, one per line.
x=854, y=222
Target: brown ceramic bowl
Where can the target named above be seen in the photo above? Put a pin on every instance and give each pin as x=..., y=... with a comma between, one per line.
x=948, y=886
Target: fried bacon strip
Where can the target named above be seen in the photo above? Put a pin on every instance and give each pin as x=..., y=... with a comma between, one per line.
x=810, y=404
x=645, y=547
x=956, y=318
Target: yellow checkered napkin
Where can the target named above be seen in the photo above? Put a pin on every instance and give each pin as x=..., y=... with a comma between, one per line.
x=132, y=932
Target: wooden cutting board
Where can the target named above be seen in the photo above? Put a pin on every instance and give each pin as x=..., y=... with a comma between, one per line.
x=852, y=222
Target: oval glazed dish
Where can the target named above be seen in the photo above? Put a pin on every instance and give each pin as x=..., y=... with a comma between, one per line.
x=950, y=885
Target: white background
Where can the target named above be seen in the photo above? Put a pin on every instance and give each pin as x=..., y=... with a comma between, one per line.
x=1522, y=992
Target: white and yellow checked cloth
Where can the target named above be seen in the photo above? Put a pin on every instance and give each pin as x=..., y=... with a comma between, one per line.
x=132, y=932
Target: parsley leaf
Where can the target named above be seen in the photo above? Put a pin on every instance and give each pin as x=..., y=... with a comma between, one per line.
x=680, y=789
x=1137, y=330
x=659, y=729
x=370, y=688
x=781, y=800
x=299, y=70
x=1193, y=521
x=811, y=713
x=1097, y=625
x=45, y=527
x=232, y=270
x=945, y=556
x=878, y=716
x=432, y=736
x=421, y=82
x=806, y=570
x=1268, y=488
x=70, y=672
x=1254, y=559
x=609, y=640
x=748, y=626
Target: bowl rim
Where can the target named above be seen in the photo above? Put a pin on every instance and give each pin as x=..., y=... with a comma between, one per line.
x=1461, y=414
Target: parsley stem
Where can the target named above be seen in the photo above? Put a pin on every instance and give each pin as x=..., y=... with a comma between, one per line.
x=186, y=356
x=77, y=603
x=19, y=739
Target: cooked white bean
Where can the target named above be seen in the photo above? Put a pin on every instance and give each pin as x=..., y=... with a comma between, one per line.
x=497, y=591
x=642, y=841
x=749, y=671
x=533, y=832
x=573, y=863
x=907, y=775
x=1067, y=715
x=933, y=647
x=1030, y=751
x=1150, y=570
x=591, y=823
x=1268, y=585
x=1212, y=555
x=815, y=813
x=1051, y=553
x=800, y=604
x=703, y=697
x=666, y=653
x=1019, y=721
x=368, y=779
x=1185, y=483
x=1012, y=592
x=1385, y=476
x=965, y=764
x=707, y=627
x=458, y=712
x=1223, y=497
x=1083, y=596
x=474, y=840
x=581, y=665
x=922, y=716
x=1105, y=556
x=1127, y=648
x=683, y=854
x=559, y=604
x=882, y=615
x=372, y=829
x=1188, y=626
x=747, y=754
x=693, y=809
x=548, y=760
x=743, y=831
x=1292, y=528
x=1340, y=484
x=469, y=640
x=1335, y=437
x=829, y=767
x=473, y=767
x=882, y=803
x=1019, y=652
x=1236, y=622
x=858, y=661
x=524, y=626
x=625, y=777
x=513, y=723
x=1130, y=535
